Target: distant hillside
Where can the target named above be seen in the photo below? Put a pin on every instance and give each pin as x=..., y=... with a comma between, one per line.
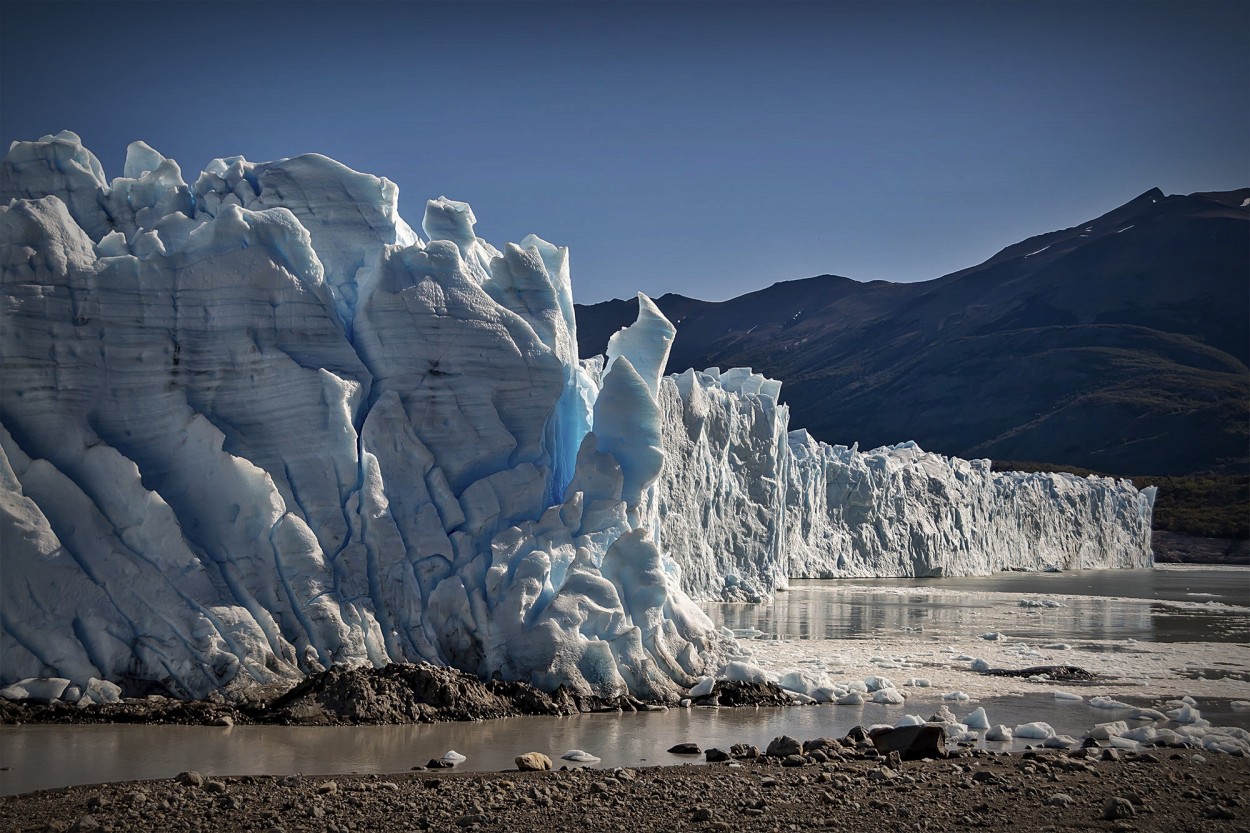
x=1119, y=345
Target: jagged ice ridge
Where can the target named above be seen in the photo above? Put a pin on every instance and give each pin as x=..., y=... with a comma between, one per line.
x=256, y=425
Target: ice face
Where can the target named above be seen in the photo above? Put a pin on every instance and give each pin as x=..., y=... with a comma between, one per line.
x=746, y=503
x=255, y=426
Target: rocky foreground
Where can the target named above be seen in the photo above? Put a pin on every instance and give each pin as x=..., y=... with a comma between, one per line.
x=845, y=787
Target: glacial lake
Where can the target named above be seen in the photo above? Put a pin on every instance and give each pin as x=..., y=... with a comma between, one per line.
x=1102, y=612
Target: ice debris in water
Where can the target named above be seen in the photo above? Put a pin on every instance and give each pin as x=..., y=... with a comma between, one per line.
x=580, y=757
x=256, y=425
x=453, y=757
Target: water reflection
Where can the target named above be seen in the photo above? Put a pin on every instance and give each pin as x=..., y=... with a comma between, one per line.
x=1092, y=607
x=49, y=756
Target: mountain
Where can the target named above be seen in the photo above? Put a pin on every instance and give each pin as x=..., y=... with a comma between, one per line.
x=1119, y=345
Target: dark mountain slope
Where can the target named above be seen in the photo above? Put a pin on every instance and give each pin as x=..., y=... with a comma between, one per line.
x=1118, y=345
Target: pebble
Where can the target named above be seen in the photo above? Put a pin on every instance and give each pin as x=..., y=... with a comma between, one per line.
x=328, y=788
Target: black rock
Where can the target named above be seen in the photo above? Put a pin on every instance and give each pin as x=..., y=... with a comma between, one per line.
x=685, y=749
x=716, y=755
x=912, y=743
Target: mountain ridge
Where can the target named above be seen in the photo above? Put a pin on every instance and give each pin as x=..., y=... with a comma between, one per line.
x=1119, y=344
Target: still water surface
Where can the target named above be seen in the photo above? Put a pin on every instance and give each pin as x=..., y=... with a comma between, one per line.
x=1159, y=605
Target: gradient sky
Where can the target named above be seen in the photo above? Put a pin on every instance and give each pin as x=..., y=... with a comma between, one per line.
x=706, y=149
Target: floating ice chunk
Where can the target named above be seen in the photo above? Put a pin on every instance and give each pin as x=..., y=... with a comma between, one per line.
x=1034, y=730
x=1059, y=742
x=888, y=697
x=1106, y=731
x=919, y=682
x=978, y=719
x=851, y=698
x=956, y=696
x=1100, y=702
x=1118, y=742
x=748, y=633
x=998, y=734
x=909, y=720
x=1057, y=646
x=1143, y=714
x=878, y=683
x=453, y=757
x=580, y=757
x=979, y=664
x=1068, y=696
x=1240, y=705
x=994, y=636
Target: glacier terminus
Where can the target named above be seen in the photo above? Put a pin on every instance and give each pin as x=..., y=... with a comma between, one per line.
x=256, y=425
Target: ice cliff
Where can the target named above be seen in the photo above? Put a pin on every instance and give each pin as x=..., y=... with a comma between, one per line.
x=256, y=425
x=745, y=504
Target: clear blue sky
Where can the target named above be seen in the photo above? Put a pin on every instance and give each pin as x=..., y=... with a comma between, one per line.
x=706, y=149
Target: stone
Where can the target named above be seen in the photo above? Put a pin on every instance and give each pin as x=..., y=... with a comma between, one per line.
x=215, y=786
x=857, y=735
x=438, y=763
x=822, y=745
x=912, y=743
x=783, y=746
x=715, y=755
x=1060, y=800
x=743, y=750
x=1118, y=808
x=702, y=814
x=86, y=824
x=328, y=788
x=685, y=749
x=190, y=778
x=532, y=762
x=224, y=720
x=793, y=760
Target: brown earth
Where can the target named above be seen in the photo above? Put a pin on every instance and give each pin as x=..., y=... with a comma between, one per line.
x=1161, y=790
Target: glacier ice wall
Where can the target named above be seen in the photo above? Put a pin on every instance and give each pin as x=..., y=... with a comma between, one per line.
x=256, y=425
x=746, y=504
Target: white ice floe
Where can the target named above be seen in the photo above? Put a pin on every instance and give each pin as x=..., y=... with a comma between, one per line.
x=1068, y=696
x=580, y=757
x=1034, y=730
x=999, y=733
x=453, y=757
x=977, y=719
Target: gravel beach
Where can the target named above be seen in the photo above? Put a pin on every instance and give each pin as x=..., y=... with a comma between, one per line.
x=1163, y=789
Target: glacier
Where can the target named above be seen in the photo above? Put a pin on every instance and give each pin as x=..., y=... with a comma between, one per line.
x=257, y=425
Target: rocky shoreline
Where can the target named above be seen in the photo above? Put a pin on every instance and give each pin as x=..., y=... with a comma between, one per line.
x=844, y=784
x=398, y=693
